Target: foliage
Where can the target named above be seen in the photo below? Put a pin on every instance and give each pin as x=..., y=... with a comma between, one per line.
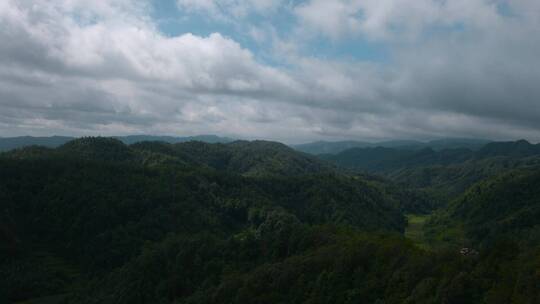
x=92, y=206
x=439, y=175
x=505, y=206
x=96, y=221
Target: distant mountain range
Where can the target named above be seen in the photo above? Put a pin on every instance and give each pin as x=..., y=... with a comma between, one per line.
x=446, y=172
x=411, y=147
x=326, y=147
x=11, y=143
x=384, y=159
x=255, y=158
x=96, y=220
x=504, y=205
x=211, y=139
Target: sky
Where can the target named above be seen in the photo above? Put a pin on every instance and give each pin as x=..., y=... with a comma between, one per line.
x=287, y=70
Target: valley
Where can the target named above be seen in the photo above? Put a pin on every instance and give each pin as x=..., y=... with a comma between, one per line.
x=98, y=221
x=415, y=229
x=269, y=152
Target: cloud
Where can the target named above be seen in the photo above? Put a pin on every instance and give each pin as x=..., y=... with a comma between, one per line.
x=456, y=68
x=334, y=19
x=121, y=70
x=228, y=10
x=392, y=20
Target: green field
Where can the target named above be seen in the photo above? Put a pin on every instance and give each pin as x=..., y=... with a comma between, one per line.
x=415, y=229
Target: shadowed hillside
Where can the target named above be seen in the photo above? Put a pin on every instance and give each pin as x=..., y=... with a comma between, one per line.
x=98, y=221
x=506, y=206
x=446, y=173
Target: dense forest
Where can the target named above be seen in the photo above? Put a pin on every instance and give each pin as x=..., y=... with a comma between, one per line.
x=98, y=220
x=10, y=143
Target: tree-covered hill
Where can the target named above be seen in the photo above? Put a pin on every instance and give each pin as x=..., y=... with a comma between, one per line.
x=212, y=139
x=99, y=149
x=385, y=160
x=452, y=180
x=10, y=143
x=72, y=215
x=381, y=159
x=520, y=148
x=505, y=206
x=303, y=264
x=445, y=173
x=256, y=158
x=326, y=147
x=98, y=221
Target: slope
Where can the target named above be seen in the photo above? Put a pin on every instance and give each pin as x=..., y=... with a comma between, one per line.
x=506, y=206
x=94, y=205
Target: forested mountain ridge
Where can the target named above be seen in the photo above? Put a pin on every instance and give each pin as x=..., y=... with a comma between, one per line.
x=445, y=173
x=98, y=221
x=92, y=204
x=254, y=159
x=211, y=139
x=242, y=157
x=504, y=206
x=325, y=147
x=10, y=143
x=520, y=148
x=381, y=159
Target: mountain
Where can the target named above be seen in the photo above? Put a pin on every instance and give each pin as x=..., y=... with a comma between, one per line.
x=389, y=159
x=506, y=206
x=254, y=158
x=99, y=221
x=382, y=159
x=96, y=149
x=212, y=139
x=11, y=143
x=452, y=180
x=325, y=147
x=443, y=174
x=314, y=148
x=25, y=141
x=457, y=143
x=520, y=148
x=109, y=233
x=75, y=216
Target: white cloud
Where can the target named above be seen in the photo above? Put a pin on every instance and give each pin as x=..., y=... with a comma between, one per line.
x=90, y=67
x=227, y=10
x=394, y=19
x=331, y=18
x=119, y=63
